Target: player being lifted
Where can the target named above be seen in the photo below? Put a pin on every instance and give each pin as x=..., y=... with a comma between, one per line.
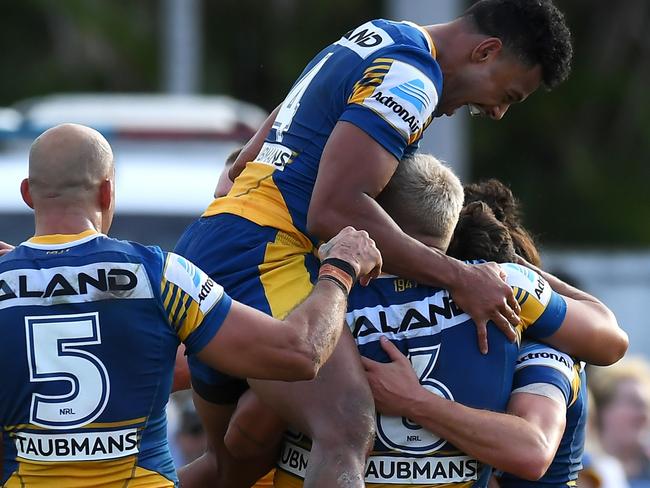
x=317, y=164
x=90, y=328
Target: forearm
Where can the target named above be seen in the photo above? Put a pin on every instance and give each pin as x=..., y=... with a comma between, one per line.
x=317, y=322
x=403, y=255
x=507, y=442
x=593, y=319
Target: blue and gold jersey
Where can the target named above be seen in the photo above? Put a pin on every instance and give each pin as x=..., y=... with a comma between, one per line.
x=440, y=341
x=541, y=364
x=381, y=77
x=90, y=328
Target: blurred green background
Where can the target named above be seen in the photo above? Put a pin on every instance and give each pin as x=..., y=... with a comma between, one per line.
x=578, y=158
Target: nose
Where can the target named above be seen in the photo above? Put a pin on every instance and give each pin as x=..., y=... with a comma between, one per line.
x=498, y=111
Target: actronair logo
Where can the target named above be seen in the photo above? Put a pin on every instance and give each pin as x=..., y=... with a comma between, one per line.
x=544, y=355
x=413, y=91
x=389, y=102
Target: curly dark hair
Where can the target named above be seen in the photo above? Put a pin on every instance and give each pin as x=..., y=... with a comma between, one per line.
x=505, y=208
x=480, y=235
x=535, y=31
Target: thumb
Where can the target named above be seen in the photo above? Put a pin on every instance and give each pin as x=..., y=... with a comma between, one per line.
x=391, y=349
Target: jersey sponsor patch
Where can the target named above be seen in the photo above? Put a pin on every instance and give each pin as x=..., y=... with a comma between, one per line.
x=366, y=39
x=528, y=280
x=73, y=284
x=394, y=469
x=83, y=446
x=189, y=278
x=275, y=155
x=541, y=355
x=412, y=319
x=405, y=98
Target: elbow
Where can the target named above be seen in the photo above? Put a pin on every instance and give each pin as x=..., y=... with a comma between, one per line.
x=305, y=362
x=616, y=348
x=615, y=345
x=323, y=221
x=533, y=466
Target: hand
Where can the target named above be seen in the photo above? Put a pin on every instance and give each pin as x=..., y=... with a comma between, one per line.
x=5, y=248
x=393, y=384
x=484, y=295
x=358, y=249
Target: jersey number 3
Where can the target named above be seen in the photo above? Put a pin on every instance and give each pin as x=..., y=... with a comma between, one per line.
x=55, y=354
x=402, y=434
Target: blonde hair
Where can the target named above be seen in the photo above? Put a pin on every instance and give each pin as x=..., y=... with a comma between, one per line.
x=427, y=193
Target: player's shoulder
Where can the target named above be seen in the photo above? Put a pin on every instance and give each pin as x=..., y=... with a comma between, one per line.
x=533, y=353
x=521, y=277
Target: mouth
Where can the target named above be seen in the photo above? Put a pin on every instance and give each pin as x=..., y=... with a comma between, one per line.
x=475, y=110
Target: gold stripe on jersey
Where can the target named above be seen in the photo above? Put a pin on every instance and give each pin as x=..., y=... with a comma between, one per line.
x=255, y=197
x=183, y=312
x=283, y=274
x=531, y=308
x=61, y=238
x=116, y=473
x=372, y=77
x=576, y=382
x=288, y=480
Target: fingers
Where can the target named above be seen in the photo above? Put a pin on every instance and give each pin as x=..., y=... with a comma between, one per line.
x=368, y=364
x=391, y=350
x=481, y=331
x=504, y=326
x=515, y=309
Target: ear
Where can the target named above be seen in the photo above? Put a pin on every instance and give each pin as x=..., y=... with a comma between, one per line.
x=24, y=191
x=106, y=194
x=487, y=49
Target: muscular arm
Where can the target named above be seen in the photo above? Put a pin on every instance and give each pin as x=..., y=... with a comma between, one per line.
x=586, y=317
x=290, y=350
x=353, y=170
x=522, y=442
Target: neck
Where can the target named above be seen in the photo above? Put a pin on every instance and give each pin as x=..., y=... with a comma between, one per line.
x=65, y=221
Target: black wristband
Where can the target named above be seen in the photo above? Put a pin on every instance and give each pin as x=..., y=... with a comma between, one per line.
x=342, y=265
x=336, y=281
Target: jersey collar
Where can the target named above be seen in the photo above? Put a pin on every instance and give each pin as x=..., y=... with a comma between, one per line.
x=57, y=241
x=427, y=37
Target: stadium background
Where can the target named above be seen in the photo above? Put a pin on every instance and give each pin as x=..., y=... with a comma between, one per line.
x=578, y=158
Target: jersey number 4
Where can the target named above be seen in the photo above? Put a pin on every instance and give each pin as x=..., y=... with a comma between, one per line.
x=55, y=354
x=291, y=104
x=402, y=434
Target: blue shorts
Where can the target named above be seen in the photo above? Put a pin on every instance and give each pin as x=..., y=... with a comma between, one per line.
x=262, y=267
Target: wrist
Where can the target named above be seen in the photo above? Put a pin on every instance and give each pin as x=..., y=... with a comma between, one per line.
x=339, y=272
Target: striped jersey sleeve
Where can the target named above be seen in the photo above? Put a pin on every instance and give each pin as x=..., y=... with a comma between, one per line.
x=542, y=309
x=196, y=305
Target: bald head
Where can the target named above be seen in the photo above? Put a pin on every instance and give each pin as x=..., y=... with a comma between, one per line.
x=68, y=163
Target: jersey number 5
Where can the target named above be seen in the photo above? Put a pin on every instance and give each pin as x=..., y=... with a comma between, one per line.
x=400, y=433
x=55, y=355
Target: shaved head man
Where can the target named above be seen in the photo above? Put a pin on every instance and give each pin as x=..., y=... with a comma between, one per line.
x=91, y=326
x=68, y=164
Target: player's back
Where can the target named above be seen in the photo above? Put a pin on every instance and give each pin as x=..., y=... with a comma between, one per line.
x=87, y=356
x=441, y=343
x=381, y=76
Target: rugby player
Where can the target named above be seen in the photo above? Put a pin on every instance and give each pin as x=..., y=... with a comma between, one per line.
x=524, y=448
x=317, y=164
x=91, y=326
x=541, y=442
